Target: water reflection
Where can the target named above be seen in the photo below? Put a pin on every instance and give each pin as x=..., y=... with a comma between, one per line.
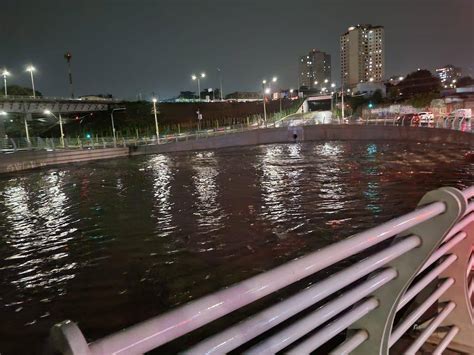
x=281, y=190
x=207, y=209
x=163, y=178
x=39, y=231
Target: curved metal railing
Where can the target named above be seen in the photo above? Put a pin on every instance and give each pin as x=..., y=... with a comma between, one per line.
x=409, y=281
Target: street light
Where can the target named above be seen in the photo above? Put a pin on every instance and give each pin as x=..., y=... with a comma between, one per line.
x=48, y=112
x=155, y=100
x=31, y=69
x=326, y=81
x=198, y=78
x=220, y=82
x=113, y=125
x=5, y=73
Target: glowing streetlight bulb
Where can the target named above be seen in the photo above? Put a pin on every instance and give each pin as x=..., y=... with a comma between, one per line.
x=30, y=68
x=401, y=78
x=194, y=77
x=274, y=79
x=3, y=113
x=203, y=75
x=267, y=90
x=316, y=83
x=5, y=72
x=333, y=85
x=326, y=81
x=154, y=100
x=291, y=91
x=47, y=112
x=264, y=81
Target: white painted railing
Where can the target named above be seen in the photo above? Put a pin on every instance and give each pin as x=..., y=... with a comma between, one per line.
x=410, y=281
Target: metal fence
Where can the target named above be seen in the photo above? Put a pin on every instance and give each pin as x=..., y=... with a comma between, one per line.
x=96, y=142
x=411, y=275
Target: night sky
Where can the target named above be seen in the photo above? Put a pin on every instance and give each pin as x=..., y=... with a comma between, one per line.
x=126, y=47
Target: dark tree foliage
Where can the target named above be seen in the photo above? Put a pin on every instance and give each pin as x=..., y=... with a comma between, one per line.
x=418, y=82
x=16, y=90
x=465, y=81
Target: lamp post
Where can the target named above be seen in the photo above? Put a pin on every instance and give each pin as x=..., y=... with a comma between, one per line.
x=31, y=69
x=220, y=82
x=155, y=100
x=198, y=78
x=5, y=73
x=113, y=124
x=68, y=57
x=48, y=112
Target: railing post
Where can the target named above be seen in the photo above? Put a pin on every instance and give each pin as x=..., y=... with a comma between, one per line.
x=379, y=323
x=463, y=314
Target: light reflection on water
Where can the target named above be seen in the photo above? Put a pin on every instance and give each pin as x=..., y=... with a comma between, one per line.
x=111, y=243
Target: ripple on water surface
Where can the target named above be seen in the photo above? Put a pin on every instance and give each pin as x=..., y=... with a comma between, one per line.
x=111, y=243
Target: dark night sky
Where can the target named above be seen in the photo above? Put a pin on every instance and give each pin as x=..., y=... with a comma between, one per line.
x=124, y=47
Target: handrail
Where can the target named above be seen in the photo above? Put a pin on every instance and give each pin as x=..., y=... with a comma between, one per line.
x=417, y=237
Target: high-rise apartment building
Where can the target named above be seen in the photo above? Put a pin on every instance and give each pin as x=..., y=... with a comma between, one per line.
x=314, y=69
x=362, y=55
x=448, y=74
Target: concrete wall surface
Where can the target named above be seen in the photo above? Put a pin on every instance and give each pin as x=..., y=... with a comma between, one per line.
x=24, y=160
x=315, y=133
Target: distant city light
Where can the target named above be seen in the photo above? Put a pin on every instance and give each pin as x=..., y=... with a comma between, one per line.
x=326, y=81
x=267, y=90
x=401, y=78
x=203, y=75
x=274, y=79
x=88, y=136
x=291, y=91
x=3, y=113
x=371, y=79
x=315, y=83
x=47, y=112
x=264, y=81
x=333, y=85
x=194, y=77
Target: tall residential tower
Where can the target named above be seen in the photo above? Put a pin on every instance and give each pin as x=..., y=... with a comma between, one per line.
x=362, y=55
x=314, y=69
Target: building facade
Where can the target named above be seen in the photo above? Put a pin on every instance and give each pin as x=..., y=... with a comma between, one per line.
x=448, y=74
x=314, y=69
x=362, y=55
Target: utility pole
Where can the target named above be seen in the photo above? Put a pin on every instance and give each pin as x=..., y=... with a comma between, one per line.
x=220, y=82
x=68, y=57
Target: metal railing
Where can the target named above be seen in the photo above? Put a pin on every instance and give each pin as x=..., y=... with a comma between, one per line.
x=38, y=143
x=412, y=274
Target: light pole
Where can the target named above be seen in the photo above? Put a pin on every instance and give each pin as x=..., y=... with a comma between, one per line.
x=68, y=57
x=333, y=85
x=5, y=73
x=220, y=82
x=113, y=125
x=31, y=69
x=155, y=100
x=48, y=112
x=198, y=78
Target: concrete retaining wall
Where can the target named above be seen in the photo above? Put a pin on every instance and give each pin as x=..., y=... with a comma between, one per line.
x=316, y=133
x=24, y=160
x=34, y=159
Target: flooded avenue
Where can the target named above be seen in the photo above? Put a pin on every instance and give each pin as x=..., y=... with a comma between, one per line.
x=111, y=243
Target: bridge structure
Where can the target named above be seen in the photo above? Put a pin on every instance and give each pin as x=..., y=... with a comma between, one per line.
x=29, y=107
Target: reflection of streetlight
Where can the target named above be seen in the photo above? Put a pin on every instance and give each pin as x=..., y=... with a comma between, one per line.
x=48, y=112
x=155, y=100
x=31, y=69
x=198, y=78
x=5, y=73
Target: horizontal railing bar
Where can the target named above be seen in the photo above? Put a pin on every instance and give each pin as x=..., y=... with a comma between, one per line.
x=446, y=340
x=259, y=323
x=303, y=326
x=458, y=227
x=156, y=331
x=443, y=250
x=334, y=328
x=425, y=281
x=418, y=312
x=350, y=343
x=429, y=330
x=470, y=265
x=468, y=193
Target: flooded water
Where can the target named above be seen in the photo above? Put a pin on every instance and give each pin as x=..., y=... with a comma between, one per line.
x=111, y=243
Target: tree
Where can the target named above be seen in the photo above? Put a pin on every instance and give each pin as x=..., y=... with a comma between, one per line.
x=16, y=90
x=418, y=82
x=465, y=81
x=187, y=95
